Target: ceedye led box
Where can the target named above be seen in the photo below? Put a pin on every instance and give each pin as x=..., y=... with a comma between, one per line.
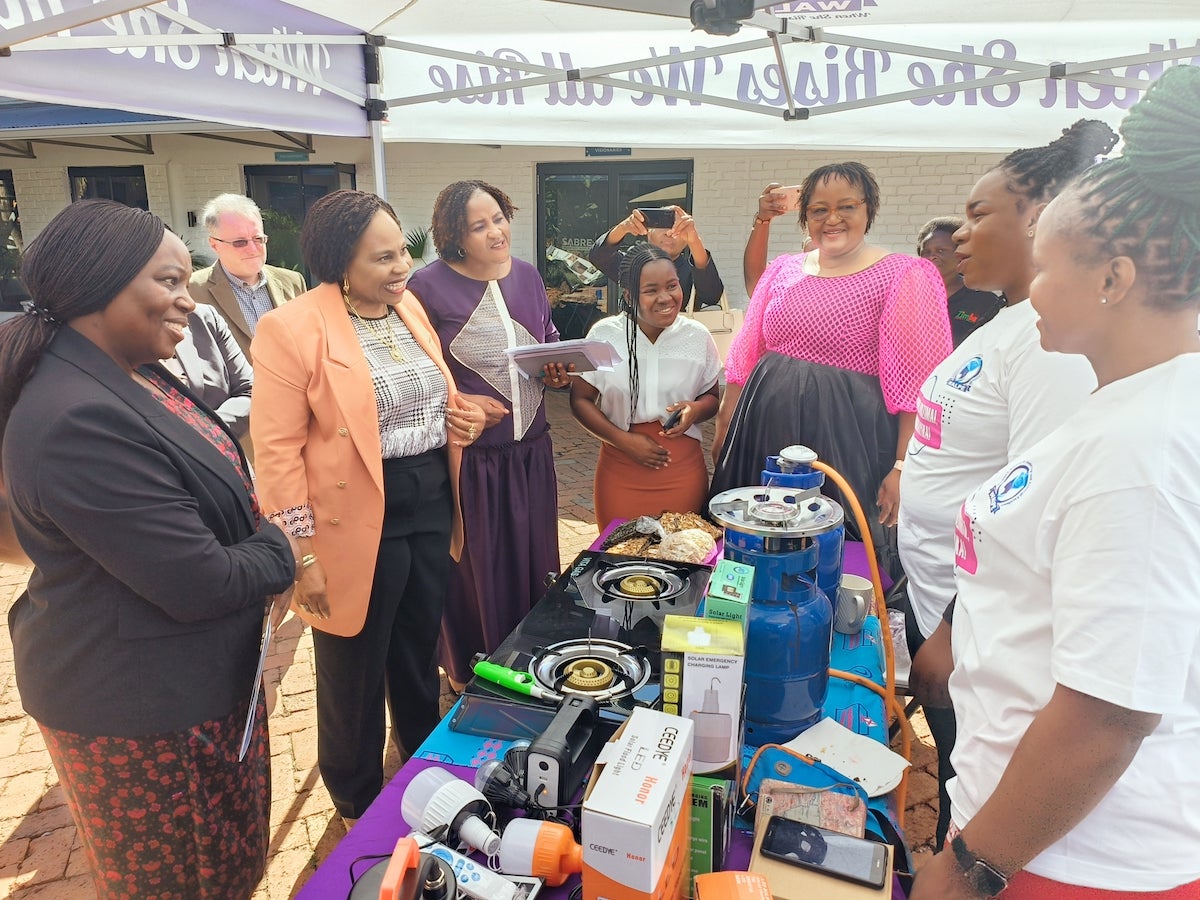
x=636, y=813
x=702, y=663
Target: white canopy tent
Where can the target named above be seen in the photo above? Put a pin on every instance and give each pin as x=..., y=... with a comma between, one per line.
x=899, y=74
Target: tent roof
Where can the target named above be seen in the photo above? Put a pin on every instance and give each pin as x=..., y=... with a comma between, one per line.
x=593, y=72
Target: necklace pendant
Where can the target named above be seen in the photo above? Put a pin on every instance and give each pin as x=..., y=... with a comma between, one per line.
x=397, y=355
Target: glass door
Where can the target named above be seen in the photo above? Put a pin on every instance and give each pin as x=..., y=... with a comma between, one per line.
x=284, y=194
x=579, y=202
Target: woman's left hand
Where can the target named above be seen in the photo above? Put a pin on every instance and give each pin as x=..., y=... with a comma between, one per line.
x=466, y=420
x=888, y=499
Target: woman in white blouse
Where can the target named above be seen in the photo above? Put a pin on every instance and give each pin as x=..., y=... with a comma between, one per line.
x=667, y=371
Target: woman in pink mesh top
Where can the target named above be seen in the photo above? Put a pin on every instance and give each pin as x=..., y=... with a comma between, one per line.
x=836, y=344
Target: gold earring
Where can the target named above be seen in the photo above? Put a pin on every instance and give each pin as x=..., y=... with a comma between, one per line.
x=346, y=289
x=1029, y=233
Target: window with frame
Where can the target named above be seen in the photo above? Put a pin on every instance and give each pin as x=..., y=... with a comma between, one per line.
x=124, y=184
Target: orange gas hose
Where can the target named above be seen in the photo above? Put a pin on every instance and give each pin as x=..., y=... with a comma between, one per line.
x=860, y=517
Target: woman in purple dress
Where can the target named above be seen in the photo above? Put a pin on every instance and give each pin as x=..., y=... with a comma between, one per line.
x=481, y=301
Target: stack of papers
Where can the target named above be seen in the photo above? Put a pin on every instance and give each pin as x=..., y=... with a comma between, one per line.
x=586, y=355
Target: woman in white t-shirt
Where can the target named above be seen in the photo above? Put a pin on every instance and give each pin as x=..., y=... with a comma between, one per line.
x=996, y=394
x=1076, y=633
x=668, y=364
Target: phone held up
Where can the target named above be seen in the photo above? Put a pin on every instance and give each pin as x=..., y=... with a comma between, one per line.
x=790, y=194
x=673, y=419
x=657, y=216
x=839, y=855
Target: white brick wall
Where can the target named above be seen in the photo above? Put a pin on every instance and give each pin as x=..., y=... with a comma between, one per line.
x=185, y=172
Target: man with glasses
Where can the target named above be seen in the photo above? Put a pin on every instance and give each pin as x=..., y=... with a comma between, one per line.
x=240, y=283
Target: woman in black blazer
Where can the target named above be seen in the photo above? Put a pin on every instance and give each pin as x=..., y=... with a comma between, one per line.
x=136, y=642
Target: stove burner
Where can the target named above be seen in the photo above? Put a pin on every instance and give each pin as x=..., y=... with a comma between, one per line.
x=589, y=675
x=607, y=671
x=774, y=512
x=639, y=581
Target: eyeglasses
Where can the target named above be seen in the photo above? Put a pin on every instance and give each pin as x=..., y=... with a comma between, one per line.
x=844, y=210
x=243, y=243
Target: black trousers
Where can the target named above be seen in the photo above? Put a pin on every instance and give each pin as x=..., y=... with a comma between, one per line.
x=943, y=728
x=392, y=659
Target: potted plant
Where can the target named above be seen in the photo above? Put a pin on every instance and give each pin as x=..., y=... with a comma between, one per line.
x=417, y=240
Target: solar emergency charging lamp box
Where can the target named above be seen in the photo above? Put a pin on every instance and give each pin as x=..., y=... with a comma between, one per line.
x=637, y=811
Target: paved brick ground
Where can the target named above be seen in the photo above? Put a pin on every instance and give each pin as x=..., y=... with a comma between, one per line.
x=40, y=858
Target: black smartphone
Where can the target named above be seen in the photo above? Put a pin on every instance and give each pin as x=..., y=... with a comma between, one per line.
x=673, y=419
x=840, y=855
x=657, y=216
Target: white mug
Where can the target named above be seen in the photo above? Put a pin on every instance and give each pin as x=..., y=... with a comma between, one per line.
x=854, y=601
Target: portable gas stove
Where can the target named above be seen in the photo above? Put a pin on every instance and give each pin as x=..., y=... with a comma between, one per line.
x=597, y=632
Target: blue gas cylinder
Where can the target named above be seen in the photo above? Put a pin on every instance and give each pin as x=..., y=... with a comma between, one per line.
x=788, y=641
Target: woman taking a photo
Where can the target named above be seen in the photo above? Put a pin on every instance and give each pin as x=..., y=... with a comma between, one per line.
x=482, y=301
x=988, y=401
x=136, y=643
x=667, y=371
x=834, y=348
x=1076, y=677
x=358, y=431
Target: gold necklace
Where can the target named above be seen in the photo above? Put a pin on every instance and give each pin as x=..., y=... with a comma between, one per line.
x=387, y=336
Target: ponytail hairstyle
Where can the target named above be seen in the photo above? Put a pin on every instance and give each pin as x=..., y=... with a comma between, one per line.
x=1039, y=174
x=76, y=266
x=630, y=277
x=1145, y=204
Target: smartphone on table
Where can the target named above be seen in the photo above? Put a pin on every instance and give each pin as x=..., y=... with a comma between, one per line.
x=838, y=855
x=791, y=194
x=657, y=216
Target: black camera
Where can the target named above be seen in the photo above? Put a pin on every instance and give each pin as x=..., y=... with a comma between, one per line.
x=721, y=16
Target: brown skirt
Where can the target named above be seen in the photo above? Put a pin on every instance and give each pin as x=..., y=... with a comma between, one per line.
x=625, y=489
x=170, y=815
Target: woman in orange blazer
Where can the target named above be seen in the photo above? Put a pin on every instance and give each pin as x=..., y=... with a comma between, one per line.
x=358, y=431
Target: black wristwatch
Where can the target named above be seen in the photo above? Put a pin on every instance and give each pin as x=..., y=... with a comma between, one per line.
x=985, y=879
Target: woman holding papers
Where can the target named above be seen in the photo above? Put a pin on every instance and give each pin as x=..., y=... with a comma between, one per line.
x=667, y=375
x=482, y=302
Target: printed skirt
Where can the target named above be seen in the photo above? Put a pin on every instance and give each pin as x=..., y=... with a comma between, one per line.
x=172, y=815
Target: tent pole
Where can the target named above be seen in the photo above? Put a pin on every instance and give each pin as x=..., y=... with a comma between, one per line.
x=377, y=156
x=376, y=109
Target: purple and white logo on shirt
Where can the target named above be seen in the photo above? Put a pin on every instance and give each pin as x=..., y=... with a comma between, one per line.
x=1014, y=484
x=967, y=374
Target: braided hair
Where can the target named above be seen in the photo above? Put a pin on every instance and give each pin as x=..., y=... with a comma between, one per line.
x=332, y=229
x=1146, y=203
x=449, y=225
x=1039, y=174
x=630, y=277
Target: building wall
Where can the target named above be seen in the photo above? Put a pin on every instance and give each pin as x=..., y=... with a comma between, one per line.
x=186, y=171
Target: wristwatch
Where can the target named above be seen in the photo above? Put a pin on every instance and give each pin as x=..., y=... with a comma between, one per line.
x=985, y=879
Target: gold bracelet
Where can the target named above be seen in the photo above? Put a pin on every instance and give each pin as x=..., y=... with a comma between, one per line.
x=759, y=220
x=307, y=560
